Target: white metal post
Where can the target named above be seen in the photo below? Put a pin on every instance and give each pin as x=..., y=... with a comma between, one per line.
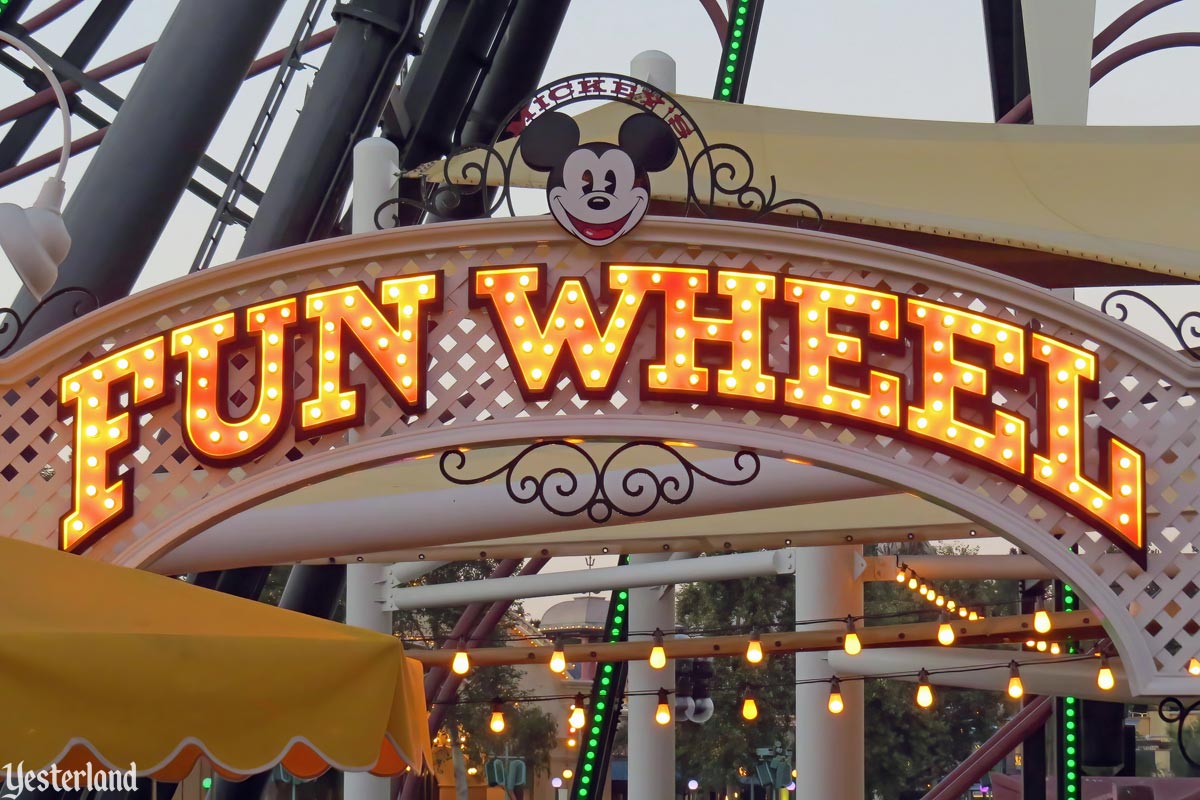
x=829, y=748
x=651, y=746
x=375, y=163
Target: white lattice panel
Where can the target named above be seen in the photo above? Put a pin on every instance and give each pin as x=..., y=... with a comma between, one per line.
x=1148, y=398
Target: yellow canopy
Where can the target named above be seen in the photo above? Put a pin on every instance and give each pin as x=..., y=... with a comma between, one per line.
x=111, y=666
x=1120, y=195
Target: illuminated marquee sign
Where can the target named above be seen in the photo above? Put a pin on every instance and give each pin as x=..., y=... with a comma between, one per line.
x=711, y=329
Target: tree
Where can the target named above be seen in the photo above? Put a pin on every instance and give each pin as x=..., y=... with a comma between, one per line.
x=908, y=747
x=530, y=732
x=721, y=750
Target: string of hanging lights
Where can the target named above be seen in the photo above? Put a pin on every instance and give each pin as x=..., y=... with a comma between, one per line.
x=924, y=696
x=906, y=575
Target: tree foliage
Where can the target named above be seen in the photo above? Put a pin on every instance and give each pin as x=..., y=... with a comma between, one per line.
x=906, y=747
x=530, y=731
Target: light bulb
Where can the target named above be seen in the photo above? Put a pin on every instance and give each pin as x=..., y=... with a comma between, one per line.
x=836, y=705
x=1016, y=690
x=972, y=616
x=1104, y=678
x=945, y=634
x=1031, y=643
x=1041, y=621
x=462, y=662
x=497, y=721
x=558, y=659
x=962, y=612
x=939, y=601
x=851, y=643
x=749, y=707
x=658, y=656
x=951, y=605
x=754, y=653
x=577, y=718
x=662, y=714
x=924, y=690
x=1193, y=666
x=901, y=575
x=922, y=589
x=1055, y=649
x=912, y=581
x=1041, y=646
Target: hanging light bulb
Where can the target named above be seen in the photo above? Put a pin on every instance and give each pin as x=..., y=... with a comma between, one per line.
x=577, y=718
x=749, y=707
x=851, y=644
x=662, y=715
x=939, y=601
x=558, y=659
x=912, y=580
x=1041, y=620
x=901, y=574
x=1031, y=643
x=1041, y=646
x=461, y=664
x=497, y=721
x=1016, y=690
x=922, y=589
x=1193, y=666
x=962, y=611
x=836, y=704
x=972, y=616
x=951, y=605
x=658, y=656
x=754, y=652
x=924, y=690
x=1055, y=649
x=945, y=634
x=1104, y=677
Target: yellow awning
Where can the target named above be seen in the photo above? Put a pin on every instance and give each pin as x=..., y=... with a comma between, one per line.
x=1120, y=195
x=114, y=666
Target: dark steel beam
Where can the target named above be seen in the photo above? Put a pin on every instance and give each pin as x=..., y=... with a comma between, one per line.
x=81, y=50
x=1004, y=32
x=310, y=182
x=152, y=148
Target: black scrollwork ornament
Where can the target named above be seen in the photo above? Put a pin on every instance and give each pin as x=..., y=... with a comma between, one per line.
x=578, y=484
x=12, y=325
x=1186, y=329
x=1172, y=710
x=713, y=170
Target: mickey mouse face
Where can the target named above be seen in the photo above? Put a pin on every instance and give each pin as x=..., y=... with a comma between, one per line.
x=598, y=191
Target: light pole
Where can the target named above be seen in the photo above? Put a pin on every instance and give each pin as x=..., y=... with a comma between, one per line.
x=36, y=239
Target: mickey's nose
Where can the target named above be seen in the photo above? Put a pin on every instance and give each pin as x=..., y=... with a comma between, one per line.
x=598, y=203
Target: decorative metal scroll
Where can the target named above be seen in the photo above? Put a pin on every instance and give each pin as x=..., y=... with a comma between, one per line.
x=1172, y=710
x=12, y=326
x=596, y=488
x=713, y=170
x=1185, y=329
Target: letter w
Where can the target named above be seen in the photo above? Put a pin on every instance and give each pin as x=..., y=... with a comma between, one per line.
x=596, y=344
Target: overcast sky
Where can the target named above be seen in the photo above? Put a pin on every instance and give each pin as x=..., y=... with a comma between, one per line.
x=907, y=58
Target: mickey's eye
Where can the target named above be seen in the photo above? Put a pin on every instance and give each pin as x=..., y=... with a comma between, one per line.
x=610, y=182
x=588, y=180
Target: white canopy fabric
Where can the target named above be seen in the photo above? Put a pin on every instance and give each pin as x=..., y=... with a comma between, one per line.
x=1121, y=195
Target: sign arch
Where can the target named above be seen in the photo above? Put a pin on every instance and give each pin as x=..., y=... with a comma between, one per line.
x=468, y=392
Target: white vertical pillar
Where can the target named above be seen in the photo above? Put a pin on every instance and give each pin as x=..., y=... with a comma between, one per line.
x=1058, y=48
x=829, y=748
x=651, y=746
x=655, y=68
x=375, y=163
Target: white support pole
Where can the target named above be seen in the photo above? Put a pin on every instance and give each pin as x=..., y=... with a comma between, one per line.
x=636, y=575
x=375, y=163
x=829, y=748
x=1058, y=47
x=651, y=746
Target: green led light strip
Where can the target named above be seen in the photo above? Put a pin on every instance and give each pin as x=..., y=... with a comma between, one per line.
x=739, y=47
x=604, y=706
x=1070, y=776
